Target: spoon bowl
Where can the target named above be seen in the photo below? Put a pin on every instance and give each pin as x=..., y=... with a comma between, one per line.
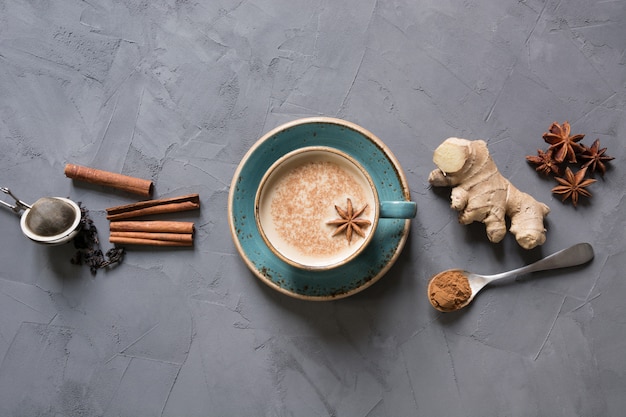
x=462, y=286
x=51, y=220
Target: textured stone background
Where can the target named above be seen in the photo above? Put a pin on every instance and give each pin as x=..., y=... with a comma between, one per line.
x=177, y=91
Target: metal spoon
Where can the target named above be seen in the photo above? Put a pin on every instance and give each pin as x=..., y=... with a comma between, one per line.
x=50, y=220
x=572, y=256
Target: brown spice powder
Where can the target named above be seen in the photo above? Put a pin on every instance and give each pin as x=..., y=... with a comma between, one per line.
x=449, y=290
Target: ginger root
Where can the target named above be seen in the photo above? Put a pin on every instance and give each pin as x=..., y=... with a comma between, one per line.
x=482, y=194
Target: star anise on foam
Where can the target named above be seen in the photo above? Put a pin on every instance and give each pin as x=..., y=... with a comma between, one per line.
x=545, y=162
x=349, y=221
x=573, y=185
x=565, y=146
x=595, y=157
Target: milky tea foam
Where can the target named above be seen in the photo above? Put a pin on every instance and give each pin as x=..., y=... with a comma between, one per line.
x=297, y=197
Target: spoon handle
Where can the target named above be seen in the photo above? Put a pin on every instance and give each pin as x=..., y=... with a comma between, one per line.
x=19, y=204
x=572, y=256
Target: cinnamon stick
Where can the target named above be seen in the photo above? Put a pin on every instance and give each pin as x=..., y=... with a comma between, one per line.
x=109, y=179
x=173, y=237
x=144, y=208
x=156, y=226
x=151, y=242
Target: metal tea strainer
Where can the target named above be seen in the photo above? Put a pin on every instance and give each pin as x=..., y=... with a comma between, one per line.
x=50, y=220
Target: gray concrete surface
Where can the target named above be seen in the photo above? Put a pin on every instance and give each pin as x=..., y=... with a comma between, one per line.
x=177, y=92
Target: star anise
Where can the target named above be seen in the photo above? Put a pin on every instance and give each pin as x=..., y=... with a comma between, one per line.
x=573, y=185
x=349, y=221
x=562, y=143
x=545, y=162
x=595, y=157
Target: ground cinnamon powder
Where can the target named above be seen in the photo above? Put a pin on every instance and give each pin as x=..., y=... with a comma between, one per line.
x=449, y=290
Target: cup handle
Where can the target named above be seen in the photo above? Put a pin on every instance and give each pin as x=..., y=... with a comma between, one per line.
x=398, y=209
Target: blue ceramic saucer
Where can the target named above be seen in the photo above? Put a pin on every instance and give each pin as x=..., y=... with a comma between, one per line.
x=360, y=273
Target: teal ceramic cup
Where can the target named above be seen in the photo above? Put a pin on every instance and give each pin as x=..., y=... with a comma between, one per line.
x=377, y=257
x=317, y=208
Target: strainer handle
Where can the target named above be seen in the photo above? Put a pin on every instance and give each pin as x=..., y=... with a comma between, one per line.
x=19, y=204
